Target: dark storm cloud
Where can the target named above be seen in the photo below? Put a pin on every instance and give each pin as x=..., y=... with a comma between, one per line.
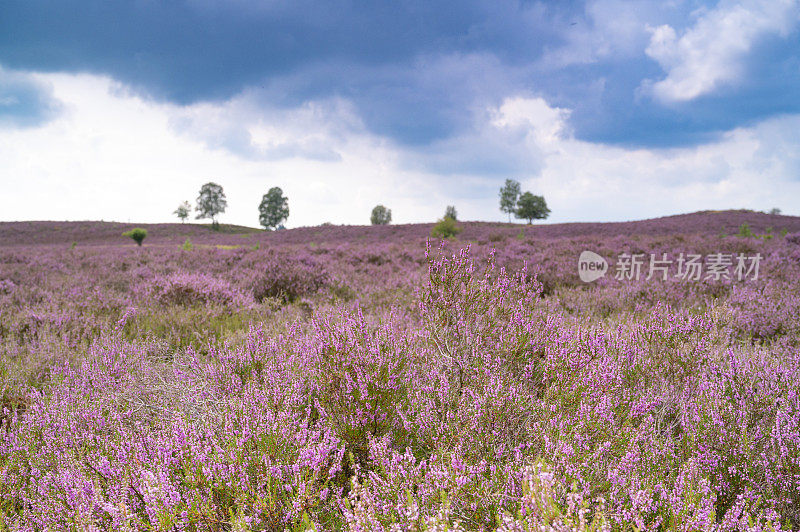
x=415, y=71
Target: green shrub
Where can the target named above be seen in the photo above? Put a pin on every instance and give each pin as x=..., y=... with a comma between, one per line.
x=138, y=234
x=445, y=228
x=187, y=246
x=744, y=230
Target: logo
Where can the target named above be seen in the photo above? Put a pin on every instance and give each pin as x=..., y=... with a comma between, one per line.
x=591, y=266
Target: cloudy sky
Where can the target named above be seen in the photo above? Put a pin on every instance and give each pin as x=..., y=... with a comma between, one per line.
x=611, y=109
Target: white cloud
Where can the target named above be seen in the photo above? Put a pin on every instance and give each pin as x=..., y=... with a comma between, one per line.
x=749, y=167
x=111, y=155
x=114, y=156
x=247, y=126
x=546, y=125
x=711, y=53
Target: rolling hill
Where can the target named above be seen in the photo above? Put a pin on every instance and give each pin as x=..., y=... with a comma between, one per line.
x=109, y=233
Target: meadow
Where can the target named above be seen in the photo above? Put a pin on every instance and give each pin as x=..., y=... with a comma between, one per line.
x=373, y=378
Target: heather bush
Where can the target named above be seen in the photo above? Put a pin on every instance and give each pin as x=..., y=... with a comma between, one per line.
x=187, y=289
x=793, y=238
x=289, y=278
x=7, y=286
x=466, y=308
x=766, y=312
x=359, y=380
x=342, y=291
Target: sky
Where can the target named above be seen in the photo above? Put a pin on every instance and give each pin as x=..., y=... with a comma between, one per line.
x=612, y=110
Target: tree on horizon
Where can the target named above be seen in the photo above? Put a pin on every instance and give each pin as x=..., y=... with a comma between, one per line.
x=509, y=194
x=183, y=211
x=531, y=207
x=380, y=215
x=211, y=202
x=274, y=209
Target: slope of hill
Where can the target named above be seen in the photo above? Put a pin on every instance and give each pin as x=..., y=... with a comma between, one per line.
x=93, y=232
x=109, y=233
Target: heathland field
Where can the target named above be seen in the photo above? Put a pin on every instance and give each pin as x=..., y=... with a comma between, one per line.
x=361, y=378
